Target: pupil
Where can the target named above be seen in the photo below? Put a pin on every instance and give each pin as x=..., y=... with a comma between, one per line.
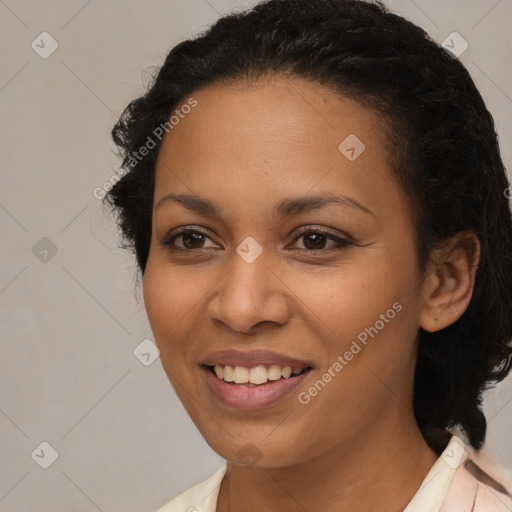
x=190, y=239
x=316, y=244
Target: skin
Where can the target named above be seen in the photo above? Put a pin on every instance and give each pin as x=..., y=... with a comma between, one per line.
x=356, y=445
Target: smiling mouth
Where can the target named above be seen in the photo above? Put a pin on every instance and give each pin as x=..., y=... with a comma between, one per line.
x=256, y=376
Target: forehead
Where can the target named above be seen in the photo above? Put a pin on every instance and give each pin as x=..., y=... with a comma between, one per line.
x=278, y=134
x=275, y=111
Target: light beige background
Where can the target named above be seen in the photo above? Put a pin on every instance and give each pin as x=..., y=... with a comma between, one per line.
x=70, y=325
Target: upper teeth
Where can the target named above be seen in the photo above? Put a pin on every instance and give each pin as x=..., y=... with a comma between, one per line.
x=257, y=375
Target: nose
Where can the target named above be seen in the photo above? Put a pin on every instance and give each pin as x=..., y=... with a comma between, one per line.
x=248, y=295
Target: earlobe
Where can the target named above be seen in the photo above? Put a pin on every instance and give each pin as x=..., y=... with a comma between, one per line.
x=450, y=282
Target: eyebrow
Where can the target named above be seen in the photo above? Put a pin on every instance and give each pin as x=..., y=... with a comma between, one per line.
x=285, y=208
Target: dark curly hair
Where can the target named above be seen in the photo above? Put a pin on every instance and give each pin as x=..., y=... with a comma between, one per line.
x=445, y=156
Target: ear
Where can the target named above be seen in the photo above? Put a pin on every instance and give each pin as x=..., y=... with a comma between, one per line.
x=450, y=281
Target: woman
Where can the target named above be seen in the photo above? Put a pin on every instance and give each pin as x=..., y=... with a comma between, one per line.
x=317, y=203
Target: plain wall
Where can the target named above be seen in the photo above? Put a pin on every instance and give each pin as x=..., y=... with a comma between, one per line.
x=70, y=325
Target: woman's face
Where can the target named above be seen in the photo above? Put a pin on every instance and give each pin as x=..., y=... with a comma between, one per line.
x=298, y=252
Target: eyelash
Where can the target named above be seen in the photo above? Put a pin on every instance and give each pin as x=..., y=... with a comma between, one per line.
x=342, y=243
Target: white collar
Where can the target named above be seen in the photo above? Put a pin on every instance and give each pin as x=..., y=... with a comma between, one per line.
x=433, y=490
x=429, y=497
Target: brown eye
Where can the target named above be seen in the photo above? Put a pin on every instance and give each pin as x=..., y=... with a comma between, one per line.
x=192, y=239
x=314, y=240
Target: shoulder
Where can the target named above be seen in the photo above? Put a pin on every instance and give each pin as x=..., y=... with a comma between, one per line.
x=202, y=497
x=477, y=487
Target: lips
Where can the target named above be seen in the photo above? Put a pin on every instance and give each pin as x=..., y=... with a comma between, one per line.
x=240, y=389
x=250, y=397
x=252, y=358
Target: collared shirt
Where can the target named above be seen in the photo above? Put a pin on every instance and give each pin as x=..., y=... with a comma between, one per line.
x=453, y=484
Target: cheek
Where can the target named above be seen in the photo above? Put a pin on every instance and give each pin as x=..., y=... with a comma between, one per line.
x=349, y=298
x=367, y=310
x=168, y=298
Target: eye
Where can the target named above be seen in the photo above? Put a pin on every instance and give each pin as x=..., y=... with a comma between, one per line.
x=190, y=239
x=316, y=239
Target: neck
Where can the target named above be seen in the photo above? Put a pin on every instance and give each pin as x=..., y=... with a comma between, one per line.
x=379, y=471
